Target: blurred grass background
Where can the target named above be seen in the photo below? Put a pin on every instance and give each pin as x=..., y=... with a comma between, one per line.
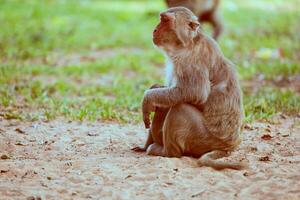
x=89, y=59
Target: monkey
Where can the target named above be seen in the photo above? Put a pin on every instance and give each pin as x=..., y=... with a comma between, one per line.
x=206, y=10
x=199, y=113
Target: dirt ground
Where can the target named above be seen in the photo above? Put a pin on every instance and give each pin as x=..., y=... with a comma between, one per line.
x=83, y=160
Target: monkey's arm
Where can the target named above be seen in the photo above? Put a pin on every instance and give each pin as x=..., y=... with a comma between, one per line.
x=170, y=96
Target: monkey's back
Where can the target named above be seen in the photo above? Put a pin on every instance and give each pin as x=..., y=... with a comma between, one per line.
x=223, y=110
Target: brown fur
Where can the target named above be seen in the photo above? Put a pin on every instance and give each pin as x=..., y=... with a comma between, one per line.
x=199, y=112
x=206, y=10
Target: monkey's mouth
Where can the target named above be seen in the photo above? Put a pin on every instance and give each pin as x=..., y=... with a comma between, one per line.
x=156, y=40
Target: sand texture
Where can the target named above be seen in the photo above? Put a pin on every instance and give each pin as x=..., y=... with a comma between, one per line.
x=82, y=160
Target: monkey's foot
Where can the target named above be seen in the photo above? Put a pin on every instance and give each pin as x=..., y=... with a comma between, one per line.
x=155, y=150
x=138, y=149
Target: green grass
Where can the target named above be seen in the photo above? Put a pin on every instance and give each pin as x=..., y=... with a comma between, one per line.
x=35, y=34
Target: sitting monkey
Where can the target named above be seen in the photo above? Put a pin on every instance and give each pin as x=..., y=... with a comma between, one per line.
x=199, y=113
x=206, y=10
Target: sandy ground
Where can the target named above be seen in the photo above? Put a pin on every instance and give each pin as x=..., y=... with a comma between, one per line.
x=81, y=160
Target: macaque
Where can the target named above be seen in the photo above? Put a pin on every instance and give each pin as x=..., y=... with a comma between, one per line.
x=206, y=10
x=199, y=112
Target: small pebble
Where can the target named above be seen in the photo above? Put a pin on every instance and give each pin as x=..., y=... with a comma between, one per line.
x=4, y=157
x=248, y=127
x=246, y=174
x=266, y=137
x=265, y=158
x=283, y=116
x=19, y=130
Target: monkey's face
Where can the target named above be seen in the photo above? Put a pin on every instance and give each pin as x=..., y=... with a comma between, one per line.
x=176, y=29
x=164, y=34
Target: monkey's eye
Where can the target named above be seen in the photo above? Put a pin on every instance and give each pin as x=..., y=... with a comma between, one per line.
x=193, y=25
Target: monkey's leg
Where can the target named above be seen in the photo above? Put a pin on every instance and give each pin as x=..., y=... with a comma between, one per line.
x=155, y=132
x=183, y=123
x=184, y=133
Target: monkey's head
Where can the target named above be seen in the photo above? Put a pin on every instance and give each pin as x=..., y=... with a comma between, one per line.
x=177, y=28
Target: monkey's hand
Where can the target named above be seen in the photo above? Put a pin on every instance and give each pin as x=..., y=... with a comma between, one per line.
x=147, y=108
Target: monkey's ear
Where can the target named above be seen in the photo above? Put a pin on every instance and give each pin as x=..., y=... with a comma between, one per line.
x=194, y=25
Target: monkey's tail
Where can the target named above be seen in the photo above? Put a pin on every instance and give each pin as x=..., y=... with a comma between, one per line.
x=210, y=160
